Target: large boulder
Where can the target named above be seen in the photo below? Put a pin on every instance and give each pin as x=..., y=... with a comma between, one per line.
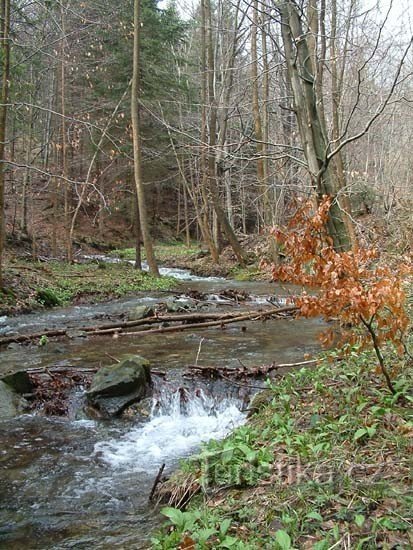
x=116, y=387
x=11, y=404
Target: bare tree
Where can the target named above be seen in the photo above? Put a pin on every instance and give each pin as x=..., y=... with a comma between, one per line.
x=5, y=47
x=140, y=190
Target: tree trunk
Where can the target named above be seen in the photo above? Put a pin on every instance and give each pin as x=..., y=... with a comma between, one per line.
x=204, y=223
x=312, y=130
x=137, y=232
x=140, y=191
x=256, y=111
x=4, y=35
x=65, y=172
x=336, y=92
x=212, y=185
x=27, y=172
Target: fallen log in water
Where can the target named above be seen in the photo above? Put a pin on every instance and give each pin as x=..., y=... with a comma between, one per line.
x=190, y=320
x=224, y=320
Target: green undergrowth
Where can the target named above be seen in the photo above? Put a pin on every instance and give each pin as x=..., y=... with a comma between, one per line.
x=33, y=285
x=163, y=251
x=249, y=273
x=325, y=463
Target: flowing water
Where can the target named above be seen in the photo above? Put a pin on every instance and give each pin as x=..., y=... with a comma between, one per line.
x=85, y=484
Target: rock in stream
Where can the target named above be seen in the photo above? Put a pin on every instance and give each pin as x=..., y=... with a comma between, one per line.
x=116, y=387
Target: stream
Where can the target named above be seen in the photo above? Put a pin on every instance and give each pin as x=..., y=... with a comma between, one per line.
x=80, y=483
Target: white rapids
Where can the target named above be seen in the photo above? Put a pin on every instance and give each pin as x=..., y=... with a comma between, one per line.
x=178, y=424
x=177, y=273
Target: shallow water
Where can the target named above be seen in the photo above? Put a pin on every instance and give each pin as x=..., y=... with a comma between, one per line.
x=85, y=484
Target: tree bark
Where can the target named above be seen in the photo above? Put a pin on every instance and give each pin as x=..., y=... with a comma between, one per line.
x=65, y=171
x=204, y=225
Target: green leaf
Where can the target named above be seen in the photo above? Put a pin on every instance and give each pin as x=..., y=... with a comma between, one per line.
x=225, y=525
x=227, y=455
x=283, y=539
x=371, y=430
x=361, y=432
x=359, y=520
x=203, y=534
x=315, y=515
x=174, y=515
x=228, y=542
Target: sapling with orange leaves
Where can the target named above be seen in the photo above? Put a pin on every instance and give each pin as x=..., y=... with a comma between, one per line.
x=365, y=296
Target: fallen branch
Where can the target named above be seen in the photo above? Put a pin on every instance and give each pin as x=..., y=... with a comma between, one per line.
x=251, y=316
x=111, y=328
x=61, y=368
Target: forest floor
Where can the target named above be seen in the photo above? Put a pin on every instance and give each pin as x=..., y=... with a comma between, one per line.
x=324, y=462
x=35, y=285
x=31, y=285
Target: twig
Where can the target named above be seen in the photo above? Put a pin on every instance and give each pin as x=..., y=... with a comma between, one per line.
x=156, y=482
x=113, y=358
x=199, y=350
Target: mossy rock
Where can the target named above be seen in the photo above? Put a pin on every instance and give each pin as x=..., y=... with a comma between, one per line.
x=139, y=312
x=18, y=381
x=259, y=401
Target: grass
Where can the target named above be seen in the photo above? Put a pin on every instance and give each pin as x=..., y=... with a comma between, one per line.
x=32, y=285
x=326, y=463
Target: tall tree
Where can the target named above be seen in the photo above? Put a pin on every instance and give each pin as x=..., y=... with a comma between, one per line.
x=137, y=153
x=5, y=49
x=212, y=183
x=301, y=70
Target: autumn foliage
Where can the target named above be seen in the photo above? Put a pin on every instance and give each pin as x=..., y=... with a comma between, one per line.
x=363, y=294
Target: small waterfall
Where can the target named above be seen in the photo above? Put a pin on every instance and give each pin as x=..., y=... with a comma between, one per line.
x=179, y=422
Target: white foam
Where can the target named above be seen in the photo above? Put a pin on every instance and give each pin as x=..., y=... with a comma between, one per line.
x=177, y=426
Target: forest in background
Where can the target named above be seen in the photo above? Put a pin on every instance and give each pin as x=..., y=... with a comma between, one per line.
x=243, y=107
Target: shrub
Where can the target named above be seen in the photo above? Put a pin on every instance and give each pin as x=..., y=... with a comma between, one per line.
x=367, y=297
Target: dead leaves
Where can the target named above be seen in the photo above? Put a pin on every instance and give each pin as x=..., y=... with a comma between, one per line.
x=353, y=287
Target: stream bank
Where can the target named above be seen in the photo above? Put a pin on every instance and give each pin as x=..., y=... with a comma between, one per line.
x=35, y=285
x=325, y=462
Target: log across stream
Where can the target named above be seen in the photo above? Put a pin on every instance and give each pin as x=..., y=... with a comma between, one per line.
x=85, y=483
